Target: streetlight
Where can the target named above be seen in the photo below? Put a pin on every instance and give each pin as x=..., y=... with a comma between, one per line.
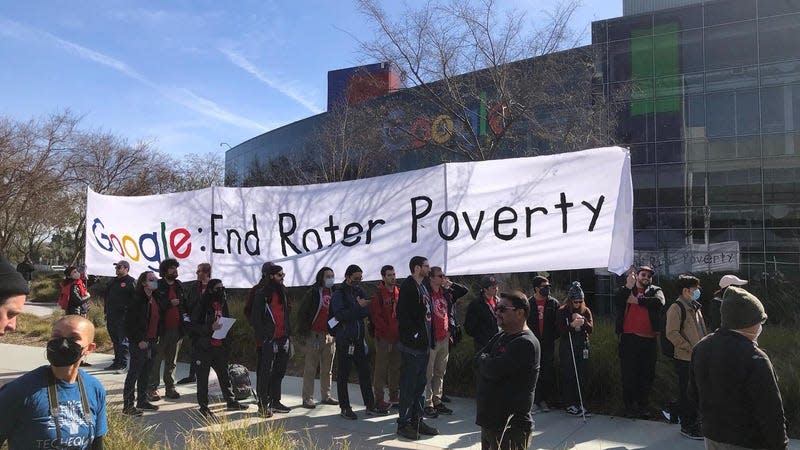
x=225, y=144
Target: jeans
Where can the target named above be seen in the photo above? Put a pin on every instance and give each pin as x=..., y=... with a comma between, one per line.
x=412, y=386
x=116, y=331
x=138, y=376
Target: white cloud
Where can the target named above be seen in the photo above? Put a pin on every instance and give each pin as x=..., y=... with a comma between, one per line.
x=288, y=89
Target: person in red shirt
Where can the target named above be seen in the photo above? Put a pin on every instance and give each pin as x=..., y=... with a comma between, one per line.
x=638, y=306
x=542, y=321
x=444, y=294
x=383, y=316
x=320, y=349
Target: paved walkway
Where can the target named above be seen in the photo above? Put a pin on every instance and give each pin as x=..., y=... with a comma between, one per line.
x=554, y=430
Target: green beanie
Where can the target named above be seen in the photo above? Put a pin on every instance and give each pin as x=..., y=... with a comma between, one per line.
x=740, y=309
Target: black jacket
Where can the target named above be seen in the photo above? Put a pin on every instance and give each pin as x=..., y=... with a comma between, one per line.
x=119, y=296
x=137, y=320
x=261, y=316
x=162, y=293
x=349, y=313
x=737, y=392
x=193, y=295
x=480, y=322
x=411, y=316
x=653, y=300
x=507, y=369
x=548, y=338
x=202, y=317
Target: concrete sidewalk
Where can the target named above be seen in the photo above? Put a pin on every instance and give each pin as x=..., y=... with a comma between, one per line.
x=323, y=426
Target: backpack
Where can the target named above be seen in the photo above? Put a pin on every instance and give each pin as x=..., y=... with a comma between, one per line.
x=667, y=349
x=240, y=381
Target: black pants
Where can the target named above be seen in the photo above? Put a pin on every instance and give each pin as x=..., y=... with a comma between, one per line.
x=138, y=375
x=413, y=377
x=546, y=386
x=637, y=357
x=514, y=438
x=361, y=361
x=569, y=384
x=687, y=409
x=216, y=357
x=193, y=365
x=116, y=331
x=271, y=369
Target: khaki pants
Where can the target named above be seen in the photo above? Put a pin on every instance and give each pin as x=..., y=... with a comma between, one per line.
x=387, y=368
x=437, y=366
x=320, y=349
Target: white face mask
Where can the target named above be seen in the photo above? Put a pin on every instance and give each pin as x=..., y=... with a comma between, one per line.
x=758, y=332
x=75, y=275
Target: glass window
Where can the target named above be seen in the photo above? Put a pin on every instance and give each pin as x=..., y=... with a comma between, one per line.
x=670, y=152
x=692, y=50
x=695, y=108
x=719, y=114
x=731, y=45
x=780, y=73
x=619, y=61
x=644, y=218
x=721, y=148
x=599, y=30
x=735, y=217
x=780, y=144
x=750, y=240
x=774, y=103
x=669, y=119
x=675, y=238
x=747, y=114
x=696, y=150
x=635, y=122
x=735, y=182
x=782, y=215
x=783, y=240
x=625, y=27
x=685, y=18
x=680, y=184
x=642, y=56
x=748, y=146
x=729, y=11
x=781, y=179
x=775, y=7
x=642, y=154
x=666, y=54
x=672, y=218
x=644, y=186
x=731, y=78
x=644, y=240
x=777, y=37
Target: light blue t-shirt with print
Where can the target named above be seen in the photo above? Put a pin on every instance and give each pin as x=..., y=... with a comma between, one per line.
x=25, y=419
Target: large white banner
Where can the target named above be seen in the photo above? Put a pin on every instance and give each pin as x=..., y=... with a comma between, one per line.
x=567, y=211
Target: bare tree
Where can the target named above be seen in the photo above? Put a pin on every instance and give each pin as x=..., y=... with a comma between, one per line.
x=488, y=84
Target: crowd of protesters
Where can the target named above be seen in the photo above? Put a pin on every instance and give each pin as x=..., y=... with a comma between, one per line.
x=727, y=391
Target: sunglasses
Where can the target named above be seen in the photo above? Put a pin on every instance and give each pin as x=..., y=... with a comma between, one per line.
x=503, y=308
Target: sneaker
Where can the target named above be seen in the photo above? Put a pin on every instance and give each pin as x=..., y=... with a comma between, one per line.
x=235, y=406
x=377, y=411
x=132, y=411
x=279, y=407
x=153, y=396
x=383, y=405
x=265, y=412
x=441, y=409
x=207, y=413
x=348, y=414
x=172, y=394
x=113, y=366
x=445, y=399
x=408, y=431
x=187, y=380
x=122, y=370
x=394, y=402
x=573, y=410
x=692, y=433
x=430, y=412
x=424, y=428
x=147, y=405
x=308, y=405
x=330, y=401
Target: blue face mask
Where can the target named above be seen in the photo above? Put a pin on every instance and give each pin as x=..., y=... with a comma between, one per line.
x=696, y=295
x=328, y=283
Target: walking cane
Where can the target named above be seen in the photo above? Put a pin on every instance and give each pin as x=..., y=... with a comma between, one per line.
x=575, y=366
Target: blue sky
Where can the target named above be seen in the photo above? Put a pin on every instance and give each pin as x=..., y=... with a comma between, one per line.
x=189, y=75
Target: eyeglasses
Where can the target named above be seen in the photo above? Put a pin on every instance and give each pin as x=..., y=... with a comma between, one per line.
x=646, y=274
x=502, y=308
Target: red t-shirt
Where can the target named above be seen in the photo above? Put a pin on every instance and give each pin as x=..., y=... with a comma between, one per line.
x=320, y=324
x=637, y=318
x=492, y=302
x=540, y=311
x=440, y=322
x=172, y=317
x=217, y=314
x=276, y=307
x=152, y=325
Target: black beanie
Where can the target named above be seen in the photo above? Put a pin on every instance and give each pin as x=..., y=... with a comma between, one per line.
x=740, y=309
x=11, y=281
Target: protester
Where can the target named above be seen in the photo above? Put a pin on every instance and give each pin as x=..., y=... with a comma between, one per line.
x=320, y=349
x=194, y=292
x=26, y=269
x=173, y=315
x=271, y=326
x=507, y=368
x=119, y=296
x=248, y=313
x=542, y=322
x=349, y=306
x=480, y=322
x=733, y=381
x=58, y=405
x=638, y=306
x=209, y=351
x=417, y=331
x=141, y=329
x=575, y=324
x=444, y=294
x=383, y=316
x=13, y=293
x=684, y=328
x=77, y=294
x=713, y=308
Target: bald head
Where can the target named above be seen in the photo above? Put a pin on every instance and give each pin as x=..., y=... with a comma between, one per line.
x=77, y=327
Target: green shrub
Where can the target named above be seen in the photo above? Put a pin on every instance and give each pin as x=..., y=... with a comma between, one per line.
x=44, y=287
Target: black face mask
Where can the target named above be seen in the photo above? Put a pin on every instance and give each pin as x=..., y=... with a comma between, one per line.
x=63, y=352
x=544, y=292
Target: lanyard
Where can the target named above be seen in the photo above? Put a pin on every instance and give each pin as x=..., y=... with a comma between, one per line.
x=52, y=396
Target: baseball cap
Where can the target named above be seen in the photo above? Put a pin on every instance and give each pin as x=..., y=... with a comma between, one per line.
x=731, y=280
x=122, y=263
x=647, y=268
